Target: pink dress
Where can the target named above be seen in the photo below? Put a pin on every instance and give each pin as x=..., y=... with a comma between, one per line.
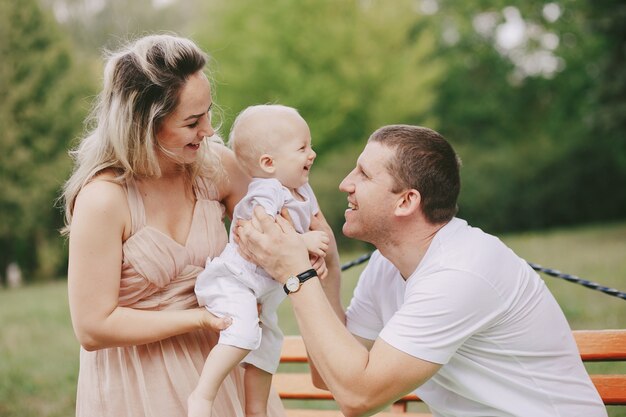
x=158, y=273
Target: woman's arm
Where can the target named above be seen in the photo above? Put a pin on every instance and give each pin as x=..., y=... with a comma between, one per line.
x=101, y=220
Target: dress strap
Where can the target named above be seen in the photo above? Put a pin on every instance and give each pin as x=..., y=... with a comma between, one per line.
x=135, y=204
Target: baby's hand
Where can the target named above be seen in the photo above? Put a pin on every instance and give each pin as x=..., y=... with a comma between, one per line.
x=316, y=242
x=319, y=264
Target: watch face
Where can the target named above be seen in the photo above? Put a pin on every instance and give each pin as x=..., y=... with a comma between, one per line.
x=292, y=284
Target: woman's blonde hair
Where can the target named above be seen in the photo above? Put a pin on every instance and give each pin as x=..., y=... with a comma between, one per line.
x=142, y=85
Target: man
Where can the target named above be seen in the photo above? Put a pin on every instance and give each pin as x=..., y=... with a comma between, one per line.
x=442, y=309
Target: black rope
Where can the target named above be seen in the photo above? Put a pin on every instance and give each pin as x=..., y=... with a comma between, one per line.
x=357, y=261
x=578, y=280
x=552, y=272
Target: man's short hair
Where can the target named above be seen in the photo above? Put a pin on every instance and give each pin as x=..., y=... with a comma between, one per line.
x=426, y=162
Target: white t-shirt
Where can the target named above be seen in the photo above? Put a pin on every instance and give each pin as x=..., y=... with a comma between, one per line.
x=478, y=309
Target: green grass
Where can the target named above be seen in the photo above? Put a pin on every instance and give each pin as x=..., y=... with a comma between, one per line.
x=39, y=353
x=593, y=253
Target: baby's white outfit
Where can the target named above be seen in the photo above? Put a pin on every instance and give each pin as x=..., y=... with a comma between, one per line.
x=232, y=286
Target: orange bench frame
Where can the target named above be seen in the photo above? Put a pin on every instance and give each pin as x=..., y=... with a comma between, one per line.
x=594, y=346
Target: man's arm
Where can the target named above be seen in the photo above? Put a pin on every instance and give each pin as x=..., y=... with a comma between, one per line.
x=362, y=381
x=315, y=375
x=331, y=284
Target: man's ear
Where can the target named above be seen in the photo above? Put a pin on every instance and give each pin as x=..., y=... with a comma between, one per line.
x=266, y=162
x=408, y=203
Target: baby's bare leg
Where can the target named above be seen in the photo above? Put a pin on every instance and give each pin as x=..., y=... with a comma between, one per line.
x=257, y=385
x=221, y=360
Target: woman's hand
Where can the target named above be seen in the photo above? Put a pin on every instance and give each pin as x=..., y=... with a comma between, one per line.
x=210, y=322
x=272, y=244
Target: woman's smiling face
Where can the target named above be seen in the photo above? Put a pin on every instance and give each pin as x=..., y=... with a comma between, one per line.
x=181, y=133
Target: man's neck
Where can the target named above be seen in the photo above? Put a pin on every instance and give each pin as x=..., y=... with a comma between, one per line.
x=408, y=249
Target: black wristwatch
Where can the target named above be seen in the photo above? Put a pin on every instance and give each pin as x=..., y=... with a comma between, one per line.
x=293, y=283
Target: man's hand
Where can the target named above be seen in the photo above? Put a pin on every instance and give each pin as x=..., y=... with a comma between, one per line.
x=272, y=244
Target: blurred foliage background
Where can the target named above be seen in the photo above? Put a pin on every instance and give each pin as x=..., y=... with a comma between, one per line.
x=531, y=94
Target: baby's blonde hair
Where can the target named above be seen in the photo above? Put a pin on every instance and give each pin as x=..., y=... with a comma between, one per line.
x=249, y=140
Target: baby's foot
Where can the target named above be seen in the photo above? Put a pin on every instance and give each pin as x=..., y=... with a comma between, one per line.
x=199, y=406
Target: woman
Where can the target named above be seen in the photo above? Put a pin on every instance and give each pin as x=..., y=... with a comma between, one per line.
x=144, y=210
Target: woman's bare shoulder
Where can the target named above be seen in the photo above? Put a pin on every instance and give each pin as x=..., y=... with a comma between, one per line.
x=103, y=199
x=103, y=187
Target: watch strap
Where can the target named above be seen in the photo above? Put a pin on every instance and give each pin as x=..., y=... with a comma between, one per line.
x=308, y=274
x=302, y=277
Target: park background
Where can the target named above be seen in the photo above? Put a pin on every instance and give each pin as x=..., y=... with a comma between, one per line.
x=531, y=94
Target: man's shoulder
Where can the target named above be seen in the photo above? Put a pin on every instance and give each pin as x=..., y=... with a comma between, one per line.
x=460, y=240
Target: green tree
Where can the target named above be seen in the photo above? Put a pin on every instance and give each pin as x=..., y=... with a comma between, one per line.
x=608, y=120
x=42, y=105
x=97, y=25
x=536, y=153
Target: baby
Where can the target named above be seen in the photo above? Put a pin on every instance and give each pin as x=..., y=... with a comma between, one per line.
x=273, y=144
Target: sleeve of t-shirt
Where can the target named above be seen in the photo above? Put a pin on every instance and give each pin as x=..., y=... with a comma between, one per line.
x=267, y=194
x=363, y=316
x=440, y=311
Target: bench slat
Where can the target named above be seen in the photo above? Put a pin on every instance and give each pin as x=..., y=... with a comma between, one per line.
x=299, y=386
x=337, y=413
x=612, y=388
x=594, y=345
x=601, y=345
x=293, y=350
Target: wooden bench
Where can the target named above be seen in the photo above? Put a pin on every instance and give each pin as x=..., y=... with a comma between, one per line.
x=594, y=346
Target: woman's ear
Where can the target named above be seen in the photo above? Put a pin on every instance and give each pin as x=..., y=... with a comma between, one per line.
x=266, y=162
x=408, y=203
